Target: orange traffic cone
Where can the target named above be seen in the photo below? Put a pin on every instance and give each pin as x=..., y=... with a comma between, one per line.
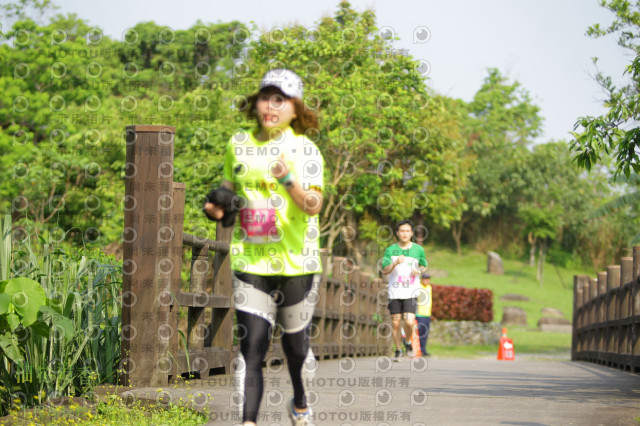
x=506, y=351
x=415, y=343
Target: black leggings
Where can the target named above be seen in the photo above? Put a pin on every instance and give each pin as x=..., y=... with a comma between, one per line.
x=255, y=319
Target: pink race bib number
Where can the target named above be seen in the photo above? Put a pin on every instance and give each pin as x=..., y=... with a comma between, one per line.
x=258, y=221
x=404, y=280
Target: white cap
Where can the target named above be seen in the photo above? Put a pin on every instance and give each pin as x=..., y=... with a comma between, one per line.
x=287, y=81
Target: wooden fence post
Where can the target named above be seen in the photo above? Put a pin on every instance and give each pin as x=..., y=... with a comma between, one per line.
x=577, y=304
x=635, y=305
x=626, y=276
x=384, y=337
x=176, y=233
x=613, y=283
x=593, y=292
x=147, y=264
x=584, y=312
x=601, y=310
x=318, y=336
x=196, y=330
x=221, y=328
x=635, y=308
x=625, y=304
x=340, y=274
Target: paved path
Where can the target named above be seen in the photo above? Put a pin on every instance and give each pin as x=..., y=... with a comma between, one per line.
x=376, y=391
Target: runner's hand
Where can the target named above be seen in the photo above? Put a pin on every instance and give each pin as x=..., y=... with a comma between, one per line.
x=222, y=204
x=279, y=168
x=213, y=211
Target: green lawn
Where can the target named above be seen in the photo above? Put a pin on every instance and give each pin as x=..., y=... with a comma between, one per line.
x=469, y=270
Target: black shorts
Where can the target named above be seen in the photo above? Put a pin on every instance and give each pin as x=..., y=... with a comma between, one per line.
x=400, y=306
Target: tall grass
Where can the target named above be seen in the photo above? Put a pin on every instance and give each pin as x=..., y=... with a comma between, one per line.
x=75, y=342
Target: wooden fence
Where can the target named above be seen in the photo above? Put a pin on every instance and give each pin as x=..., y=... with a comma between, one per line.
x=606, y=316
x=350, y=316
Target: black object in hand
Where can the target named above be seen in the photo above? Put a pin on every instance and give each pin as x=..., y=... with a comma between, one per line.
x=228, y=200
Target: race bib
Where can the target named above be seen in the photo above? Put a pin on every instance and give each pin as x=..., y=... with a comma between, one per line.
x=405, y=277
x=404, y=280
x=258, y=221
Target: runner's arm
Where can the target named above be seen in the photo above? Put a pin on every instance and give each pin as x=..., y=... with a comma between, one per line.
x=390, y=267
x=309, y=201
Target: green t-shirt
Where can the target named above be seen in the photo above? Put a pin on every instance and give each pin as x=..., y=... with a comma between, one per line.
x=273, y=236
x=402, y=284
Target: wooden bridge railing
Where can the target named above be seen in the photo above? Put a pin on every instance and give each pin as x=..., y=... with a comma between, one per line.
x=350, y=317
x=153, y=248
x=606, y=315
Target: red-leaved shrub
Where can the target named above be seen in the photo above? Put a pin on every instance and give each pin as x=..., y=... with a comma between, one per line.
x=462, y=304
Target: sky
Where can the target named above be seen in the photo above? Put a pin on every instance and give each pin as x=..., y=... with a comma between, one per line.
x=539, y=43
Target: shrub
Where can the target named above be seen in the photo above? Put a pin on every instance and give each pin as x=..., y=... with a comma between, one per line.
x=462, y=304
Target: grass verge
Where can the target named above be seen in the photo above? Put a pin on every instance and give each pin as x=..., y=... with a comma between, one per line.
x=527, y=342
x=109, y=410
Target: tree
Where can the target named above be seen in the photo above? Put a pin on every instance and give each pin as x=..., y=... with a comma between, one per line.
x=560, y=199
x=548, y=197
x=378, y=134
x=53, y=157
x=393, y=148
x=439, y=189
x=26, y=9
x=542, y=222
x=616, y=132
x=67, y=91
x=499, y=122
x=628, y=203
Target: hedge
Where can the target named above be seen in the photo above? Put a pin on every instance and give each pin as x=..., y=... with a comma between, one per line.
x=462, y=304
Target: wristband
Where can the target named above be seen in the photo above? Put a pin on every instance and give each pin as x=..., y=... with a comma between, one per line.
x=285, y=178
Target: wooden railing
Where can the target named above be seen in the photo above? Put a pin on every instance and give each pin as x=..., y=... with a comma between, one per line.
x=350, y=317
x=606, y=316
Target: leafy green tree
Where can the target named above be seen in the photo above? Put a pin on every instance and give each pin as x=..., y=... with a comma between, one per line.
x=25, y=9
x=560, y=199
x=376, y=122
x=549, y=196
x=67, y=94
x=47, y=139
x=616, y=132
x=440, y=186
x=627, y=204
x=500, y=121
x=542, y=223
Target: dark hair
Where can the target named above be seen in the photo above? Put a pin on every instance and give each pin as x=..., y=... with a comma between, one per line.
x=404, y=222
x=305, y=118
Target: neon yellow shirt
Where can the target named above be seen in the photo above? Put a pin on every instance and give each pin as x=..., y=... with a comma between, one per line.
x=424, y=300
x=273, y=236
